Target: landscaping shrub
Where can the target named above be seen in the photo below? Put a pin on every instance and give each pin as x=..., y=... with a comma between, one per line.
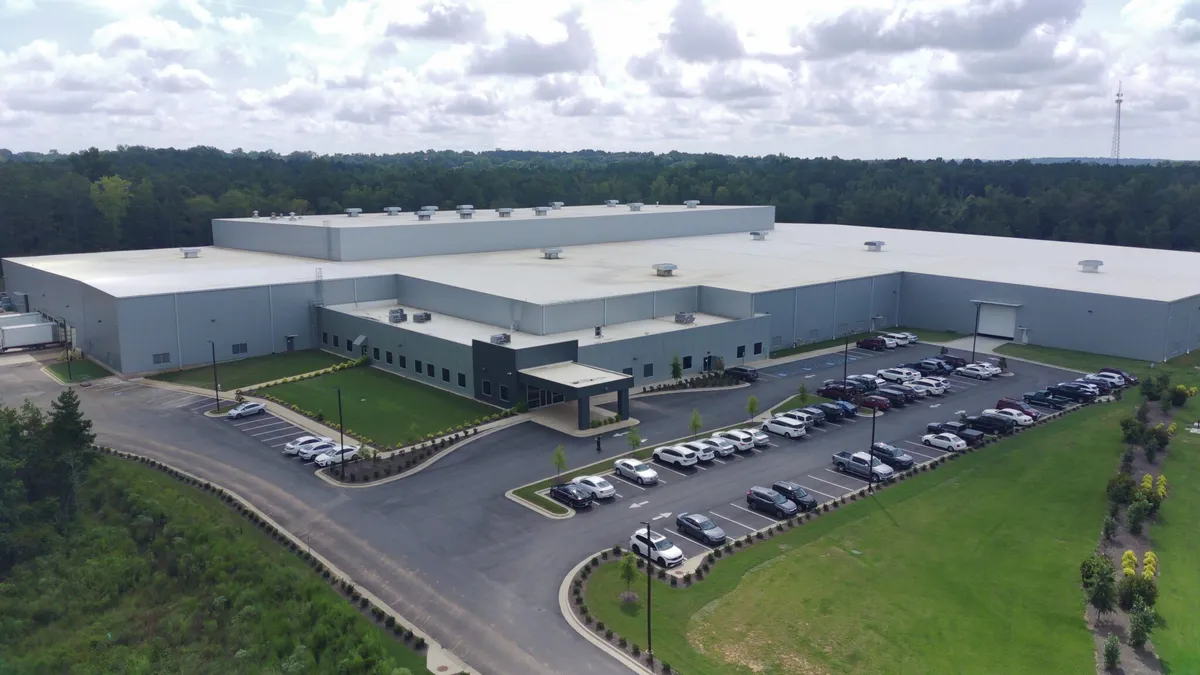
x=1091, y=568
x=608, y=634
x=1110, y=527
x=1134, y=588
x=1112, y=652
x=622, y=642
x=1120, y=488
x=1136, y=516
x=1141, y=623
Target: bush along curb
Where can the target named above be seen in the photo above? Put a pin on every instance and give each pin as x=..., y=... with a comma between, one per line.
x=705, y=381
x=382, y=616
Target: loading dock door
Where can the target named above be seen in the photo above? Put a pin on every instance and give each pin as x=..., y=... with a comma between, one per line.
x=998, y=321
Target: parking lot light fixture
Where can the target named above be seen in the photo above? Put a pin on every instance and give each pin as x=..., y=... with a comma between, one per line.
x=874, y=414
x=649, y=580
x=846, y=358
x=216, y=386
x=975, y=333
x=341, y=435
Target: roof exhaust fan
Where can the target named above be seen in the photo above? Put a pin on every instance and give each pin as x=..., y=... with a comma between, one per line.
x=874, y=245
x=1090, y=266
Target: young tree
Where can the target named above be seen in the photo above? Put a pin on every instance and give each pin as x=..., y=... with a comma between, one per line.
x=1003, y=364
x=1112, y=652
x=634, y=438
x=66, y=451
x=676, y=368
x=560, y=459
x=1141, y=622
x=752, y=406
x=1136, y=514
x=696, y=423
x=1102, y=594
x=628, y=568
x=803, y=393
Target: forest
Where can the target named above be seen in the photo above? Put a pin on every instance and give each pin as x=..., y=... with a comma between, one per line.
x=138, y=197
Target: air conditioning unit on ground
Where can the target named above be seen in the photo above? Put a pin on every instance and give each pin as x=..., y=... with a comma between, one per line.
x=397, y=316
x=422, y=317
x=501, y=339
x=685, y=317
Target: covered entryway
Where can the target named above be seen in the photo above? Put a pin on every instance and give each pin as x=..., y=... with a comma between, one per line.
x=996, y=319
x=571, y=381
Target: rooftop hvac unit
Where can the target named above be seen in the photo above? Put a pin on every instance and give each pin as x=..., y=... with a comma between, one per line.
x=635, y=206
x=692, y=203
x=759, y=236
x=465, y=214
x=353, y=213
x=1092, y=266
x=685, y=317
x=397, y=316
x=422, y=317
x=551, y=253
x=429, y=208
x=665, y=269
x=505, y=212
x=556, y=205
x=465, y=207
x=501, y=339
x=291, y=215
x=254, y=214
x=874, y=245
x=541, y=210
x=424, y=215
x=190, y=252
x=392, y=210
x=274, y=215
x=610, y=203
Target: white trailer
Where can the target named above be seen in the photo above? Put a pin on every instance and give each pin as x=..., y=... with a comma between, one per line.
x=35, y=335
x=19, y=318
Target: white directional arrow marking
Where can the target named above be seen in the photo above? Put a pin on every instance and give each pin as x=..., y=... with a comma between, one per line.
x=934, y=405
x=620, y=434
x=661, y=516
x=808, y=376
x=638, y=505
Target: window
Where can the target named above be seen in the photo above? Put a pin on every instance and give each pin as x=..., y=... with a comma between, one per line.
x=335, y=341
x=417, y=363
x=757, y=347
x=486, y=388
x=504, y=393
x=401, y=361
x=687, y=362
x=462, y=380
x=445, y=374
x=164, y=357
x=349, y=346
x=648, y=370
x=741, y=351
x=240, y=348
x=325, y=338
x=429, y=369
x=388, y=355
x=375, y=353
x=627, y=371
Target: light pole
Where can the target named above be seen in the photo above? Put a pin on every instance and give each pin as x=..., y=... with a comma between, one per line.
x=67, y=344
x=341, y=436
x=216, y=386
x=871, y=449
x=649, y=607
x=846, y=358
x=975, y=333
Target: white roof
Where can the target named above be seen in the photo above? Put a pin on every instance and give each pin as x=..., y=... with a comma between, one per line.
x=573, y=374
x=409, y=215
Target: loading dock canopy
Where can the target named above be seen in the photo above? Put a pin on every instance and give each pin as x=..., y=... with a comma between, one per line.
x=574, y=375
x=360, y=341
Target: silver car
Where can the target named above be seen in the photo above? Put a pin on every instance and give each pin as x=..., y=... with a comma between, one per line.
x=597, y=486
x=719, y=445
x=761, y=439
x=635, y=470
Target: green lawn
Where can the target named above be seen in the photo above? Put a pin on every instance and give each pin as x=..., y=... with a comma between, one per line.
x=386, y=408
x=233, y=375
x=1184, y=369
x=1177, y=544
x=972, y=568
x=925, y=335
x=80, y=370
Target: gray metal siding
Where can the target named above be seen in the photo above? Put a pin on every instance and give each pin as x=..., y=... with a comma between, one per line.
x=569, y=316
x=626, y=308
x=1183, y=326
x=278, y=236
x=466, y=304
x=667, y=303
x=92, y=313
x=727, y=303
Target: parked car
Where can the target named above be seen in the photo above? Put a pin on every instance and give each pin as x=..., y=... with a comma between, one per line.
x=901, y=339
x=336, y=455
x=596, y=486
x=800, y=416
x=974, y=370
x=1129, y=377
x=862, y=465
x=1020, y=406
x=293, y=447
x=704, y=451
x=947, y=442
x=924, y=368
x=897, y=375
x=676, y=455
x=837, y=392
x=915, y=387
x=896, y=398
x=721, y=446
x=310, y=452
x=788, y=427
x=740, y=439
x=1072, y=391
x=909, y=395
x=869, y=381
x=991, y=425
x=888, y=342
x=700, y=527
x=743, y=373
x=954, y=361
x=796, y=494
x=245, y=410
x=874, y=402
x=1104, y=386
x=656, y=548
x=873, y=343
x=1112, y=378
x=817, y=414
x=635, y=470
x=1046, y=399
x=833, y=412
x=760, y=439
x=940, y=367
x=770, y=501
x=848, y=383
x=990, y=367
x=892, y=456
x=1017, y=416
x=972, y=437
x=572, y=495
x=848, y=408
x=912, y=338
x=932, y=385
x=1087, y=386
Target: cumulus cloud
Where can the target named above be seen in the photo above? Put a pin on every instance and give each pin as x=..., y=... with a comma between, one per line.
x=1186, y=22
x=163, y=38
x=701, y=37
x=455, y=22
x=1043, y=60
x=524, y=55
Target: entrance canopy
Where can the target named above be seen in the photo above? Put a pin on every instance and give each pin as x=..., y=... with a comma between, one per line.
x=575, y=376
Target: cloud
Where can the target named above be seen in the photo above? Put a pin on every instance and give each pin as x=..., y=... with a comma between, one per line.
x=555, y=87
x=161, y=38
x=586, y=106
x=522, y=55
x=452, y=21
x=737, y=82
x=240, y=25
x=1040, y=61
x=175, y=79
x=696, y=36
x=1186, y=23
x=297, y=96
x=473, y=105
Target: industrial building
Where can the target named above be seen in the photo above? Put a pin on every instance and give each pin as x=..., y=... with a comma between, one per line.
x=561, y=303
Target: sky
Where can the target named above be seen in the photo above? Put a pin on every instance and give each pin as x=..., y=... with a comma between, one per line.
x=992, y=79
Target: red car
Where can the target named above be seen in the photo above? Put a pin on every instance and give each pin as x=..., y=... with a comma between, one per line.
x=1020, y=406
x=875, y=403
x=875, y=343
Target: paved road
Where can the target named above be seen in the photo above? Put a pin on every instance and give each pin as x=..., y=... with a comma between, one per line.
x=475, y=570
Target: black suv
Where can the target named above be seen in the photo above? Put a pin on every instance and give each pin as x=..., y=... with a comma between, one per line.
x=743, y=373
x=892, y=456
x=770, y=501
x=923, y=367
x=818, y=415
x=909, y=395
x=833, y=412
x=971, y=436
x=989, y=424
x=571, y=495
x=896, y=398
x=1072, y=391
x=864, y=385
x=954, y=361
x=796, y=494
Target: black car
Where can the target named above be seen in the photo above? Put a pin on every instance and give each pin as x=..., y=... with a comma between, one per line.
x=571, y=495
x=818, y=415
x=796, y=494
x=989, y=424
x=923, y=367
x=700, y=528
x=1072, y=391
x=833, y=412
x=863, y=383
x=908, y=394
x=954, y=361
x=971, y=436
x=770, y=501
x=896, y=398
x=892, y=456
x=1046, y=399
x=743, y=373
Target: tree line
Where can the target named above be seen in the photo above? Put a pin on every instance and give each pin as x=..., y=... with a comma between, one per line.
x=138, y=197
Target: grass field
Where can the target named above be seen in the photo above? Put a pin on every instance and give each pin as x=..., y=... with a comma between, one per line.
x=234, y=375
x=80, y=370
x=386, y=408
x=1177, y=544
x=972, y=568
x=925, y=335
x=160, y=577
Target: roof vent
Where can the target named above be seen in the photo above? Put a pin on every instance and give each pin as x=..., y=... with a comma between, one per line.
x=429, y=208
x=465, y=207
x=501, y=339
x=422, y=317
x=759, y=236
x=291, y=215
x=685, y=317
x=665, y=269
x=635, y=206
x=505, y=212
x=353, y=213
x=541, y=210
x=397, y=315
x=254, y=214
x=874, y=245
x=556, y=205
x=692, y=203
x=1092, y=266
x=392, y=210
x=190, y=252
x=424, y=215
x=466, y=214
x=274, y=215
x=610, y=203
x=552, y=253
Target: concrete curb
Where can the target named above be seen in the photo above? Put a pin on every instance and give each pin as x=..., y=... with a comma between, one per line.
x=50, y=374
x=697, y=390
x=564, y=606
x=436, y=655
x=1038, y=363
x=511, y=494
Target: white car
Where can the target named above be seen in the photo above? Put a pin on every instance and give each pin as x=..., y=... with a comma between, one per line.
x=787, y=427
x=888, y=343
x=800, y=416
x=740, y=439
x=866, y=377
x=932, y=385
x=337, y=455
x=760, y=439
x=1017, y=416
x=912, y=338
x=990, y=367
x=900, y=338
x=722, y=446
x=1112, y=378
x=635, y=470
x=596, y=486
x=948, y=442
x=916, y=388
x=975, y=371
x=677, y=455
x=656, y=548
x=895, y=374
x=1088, y=386
x=245, y=410
x=309, y=452
x=704, y=451
x=294, y=446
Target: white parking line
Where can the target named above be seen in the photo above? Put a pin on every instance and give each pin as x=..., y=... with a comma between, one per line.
x=253, y=420
x=754, y=513
x=748, y=528
x=829, y=482
x=268, y=431
x=109, y=385
x=200, y=405
x=922, y=445
x=289, y=434
x=262, y=425
x=624, y=480
x=818, y=492
x=834, y=424
x=718, y=460
x=163, y=397
x=824, y=431
x=183, y=402
x=174, y=398
x=123, y=387
x=918, y=454
x=666, y=468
